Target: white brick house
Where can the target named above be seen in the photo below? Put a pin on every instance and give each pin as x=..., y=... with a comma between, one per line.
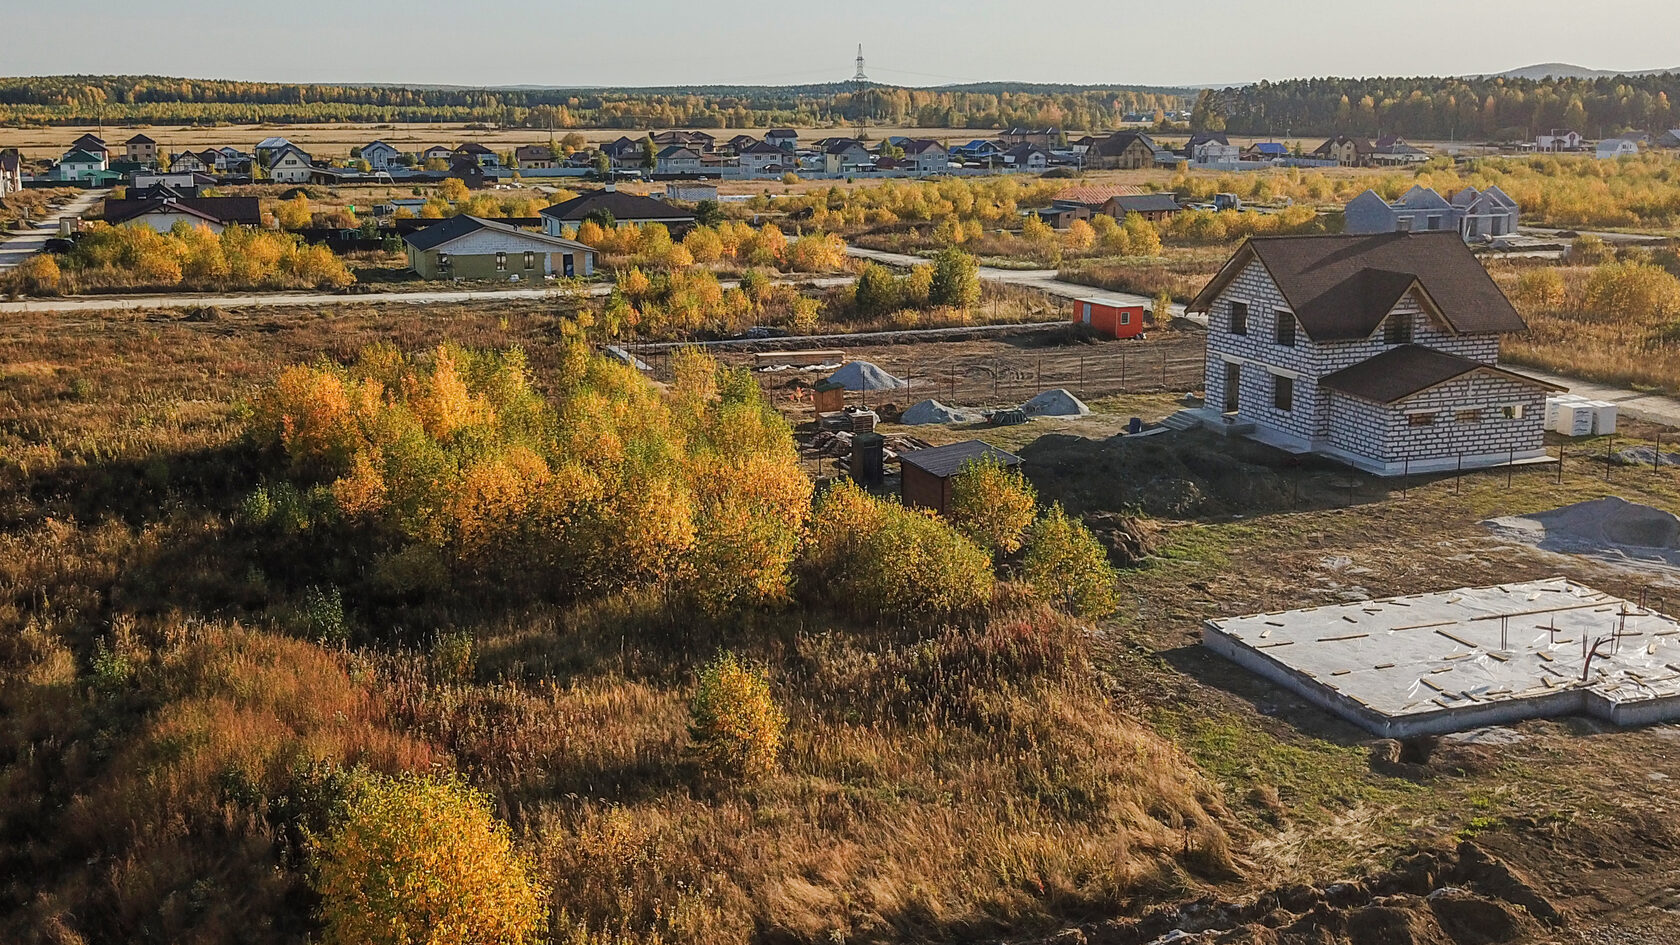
x=1380, y=351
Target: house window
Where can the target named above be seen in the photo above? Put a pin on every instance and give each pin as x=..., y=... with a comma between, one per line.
x=1283, y=392
x=443, y=260
x=1470, y=415
x=1397, y=330
x=530, y=260
x=1405, y=224
x=1285, y=329
x=1239, y=318
x=1125, y=318
x=1420, y=419
x=501, y=262
x=1511, y=411
x=1435, y=221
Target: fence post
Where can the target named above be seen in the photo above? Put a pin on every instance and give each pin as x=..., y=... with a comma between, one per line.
x=1656, y=453
x=1458, y=474
x=994, y=379
x=1510, y=464
x=1163, y=370
x=1081, y=375
x=1405, y=477
x=1608, y=445
x=1562, y=450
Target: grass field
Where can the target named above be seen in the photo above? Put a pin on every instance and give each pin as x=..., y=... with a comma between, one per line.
x=162, y=682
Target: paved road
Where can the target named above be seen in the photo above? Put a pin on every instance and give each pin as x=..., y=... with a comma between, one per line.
x=278, y=299
x=1044, y=280
x=1653, y=408
x=22, y=244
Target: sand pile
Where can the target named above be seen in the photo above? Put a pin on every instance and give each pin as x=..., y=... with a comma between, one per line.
x=1055, y=403
x=862, y=375
x=1610, y=529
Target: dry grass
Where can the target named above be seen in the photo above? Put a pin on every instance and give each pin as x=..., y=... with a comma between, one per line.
x=163, y=697
x=1181, y=272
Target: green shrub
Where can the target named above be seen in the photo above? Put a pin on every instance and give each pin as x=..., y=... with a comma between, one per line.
x=992, y=505
x=1066, y=565
x=734, y=724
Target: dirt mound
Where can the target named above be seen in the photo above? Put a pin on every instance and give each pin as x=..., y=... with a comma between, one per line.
x=932, y=411
x=1169, y=476
x=1610, y=529
x=862, y=375
x=1452, y=897
x=1055, y=403
x=1127, y=538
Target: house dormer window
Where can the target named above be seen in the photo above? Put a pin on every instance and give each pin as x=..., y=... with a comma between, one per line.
x=1285, y=329
x=1239, y=318
x=1397, y=330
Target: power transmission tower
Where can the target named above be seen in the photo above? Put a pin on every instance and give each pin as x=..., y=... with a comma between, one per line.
x=860, y=82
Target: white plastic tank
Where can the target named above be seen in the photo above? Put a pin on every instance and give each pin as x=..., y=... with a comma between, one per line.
x=1604, y=417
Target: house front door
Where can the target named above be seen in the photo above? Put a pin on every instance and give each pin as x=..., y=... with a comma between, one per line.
x=566, y=261
x=1233, y=384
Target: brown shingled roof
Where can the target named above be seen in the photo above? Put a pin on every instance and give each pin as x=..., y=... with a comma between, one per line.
x=1405, y=370
x=1342, y=287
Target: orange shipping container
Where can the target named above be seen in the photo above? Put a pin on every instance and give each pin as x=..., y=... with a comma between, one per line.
x=1110, y=317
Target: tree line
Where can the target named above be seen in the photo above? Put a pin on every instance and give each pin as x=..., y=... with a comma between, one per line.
x=1442, y=108
x=163, y=100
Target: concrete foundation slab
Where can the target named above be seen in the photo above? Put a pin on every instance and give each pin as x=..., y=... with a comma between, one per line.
x=1461, y=659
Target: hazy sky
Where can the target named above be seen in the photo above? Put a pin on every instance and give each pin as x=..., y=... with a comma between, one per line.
x=909, y=42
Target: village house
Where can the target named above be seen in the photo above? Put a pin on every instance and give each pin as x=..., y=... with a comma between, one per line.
x=1378, y=351
x=437, y=152
x=1214, y=152
x=79, y=165
x=290, y=165
x=1041, y=137
x=379, y=155
x=696, y=141
x=1265, y=151
x=625, y=152
x=533, y=157
x=469, y=247
x=188, y=162
x=163, y=211
x=1153, y=207
x=619, y=206
x=1060, y=216
x=690, y=192
x=1474, y=214
x=926, y=157
x=1668, y=139
x=1123, y=150
x=478, y=154
x=1393, y=151
x=758, y=156
x=678, y=159
x=140, y=149
x=268, y=147
x=785, y=138
x=91, y=143
x=845, y=156
x=1558, y=141
x=980, y=151
x=1611, y=148
x=1345, y=151
x=1027, y=157
x=739, y=143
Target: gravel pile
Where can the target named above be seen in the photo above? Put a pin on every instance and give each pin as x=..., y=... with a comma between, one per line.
x=1610, y=529
x=932, y=411
x=1055, y=403
x=862, y=375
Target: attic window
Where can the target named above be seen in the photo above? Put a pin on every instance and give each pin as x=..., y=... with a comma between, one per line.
x=1239, y=318
x=1285, y=328
x=1397, y=330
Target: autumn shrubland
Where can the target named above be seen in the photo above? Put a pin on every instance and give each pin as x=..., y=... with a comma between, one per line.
x=191, y=257
x=360, y=575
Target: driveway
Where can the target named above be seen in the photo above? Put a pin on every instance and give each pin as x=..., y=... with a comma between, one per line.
x=279, y=299
x=19, y=245
x=1044, y=280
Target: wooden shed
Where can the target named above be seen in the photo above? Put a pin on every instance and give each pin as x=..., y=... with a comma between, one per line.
x=925, y=475
x=1110, y=317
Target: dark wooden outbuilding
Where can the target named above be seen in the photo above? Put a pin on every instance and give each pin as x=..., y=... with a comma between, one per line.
x=925, y=475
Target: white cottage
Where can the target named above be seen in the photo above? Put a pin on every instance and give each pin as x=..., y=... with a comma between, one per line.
x=290, y=165
x=1379, y=351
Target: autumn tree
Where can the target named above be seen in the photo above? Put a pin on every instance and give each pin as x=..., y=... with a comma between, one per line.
x=453, y=189
x=423, y=859
x=735, y=727
x=956, y=279
x=992, y=505
x=1067, y=566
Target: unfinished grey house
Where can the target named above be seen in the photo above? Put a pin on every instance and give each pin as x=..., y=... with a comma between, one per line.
x=1473, y=214
x=1378, y=351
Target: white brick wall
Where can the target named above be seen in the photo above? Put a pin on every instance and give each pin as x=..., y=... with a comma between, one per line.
x=1378, y=432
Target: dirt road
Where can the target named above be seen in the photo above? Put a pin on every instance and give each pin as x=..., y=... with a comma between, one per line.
x=22, y=244
x=1044, y=280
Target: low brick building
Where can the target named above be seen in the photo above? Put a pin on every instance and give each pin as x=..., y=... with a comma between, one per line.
x=1380, y=351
